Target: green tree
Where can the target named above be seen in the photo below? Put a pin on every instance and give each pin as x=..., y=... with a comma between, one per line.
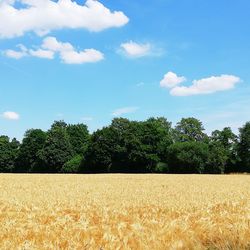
x=229, y=142
x=139, y=146
x=129, y=146
x=217, y=159
x=188, y=157
x=121, y=131
x=73, y=165
x=28, y=155
x=189, y=129
x=244, y=148
x=149, y=145
x=57, y=149
x=8, y=153
x=79, y=138
x=99, y=153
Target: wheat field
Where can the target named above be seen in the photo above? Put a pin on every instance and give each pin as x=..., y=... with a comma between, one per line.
x=124, y=212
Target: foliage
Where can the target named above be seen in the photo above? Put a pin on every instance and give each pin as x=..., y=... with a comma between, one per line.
x=161, y=167
x=73, y=165
x=28, y=155
x=228, y=143
x=8, y=153
x=78, y=137
x=244, y=147
x=57, y=149
x=98, y=155
x=189, y=129
x=127, y=146
x=217, y=159
x=188, y=157
x=150, y=146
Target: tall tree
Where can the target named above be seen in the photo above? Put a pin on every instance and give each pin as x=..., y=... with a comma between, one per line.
x=217, y=159
x=79, y=138
x=190, y=129
x=244, y=148
x=28, y=156
x=150, y=144
x=229, y=142
x=121, y=131
x=57, y=149
x=8, y=153
x=130, y=146
x=188, y=157
x=226, y=137
x=99, y=153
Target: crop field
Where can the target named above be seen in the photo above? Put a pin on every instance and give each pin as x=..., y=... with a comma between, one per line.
x=124, y=212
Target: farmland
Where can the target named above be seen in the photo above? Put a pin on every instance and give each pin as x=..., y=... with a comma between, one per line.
x=124, y=211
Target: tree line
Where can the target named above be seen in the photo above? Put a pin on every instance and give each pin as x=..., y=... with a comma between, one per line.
x=151, y=146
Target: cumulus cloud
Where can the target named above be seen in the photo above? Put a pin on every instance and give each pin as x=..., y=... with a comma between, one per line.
x=86, y=56
x=203, y=86
x=125, y=110
x=134, y=50
x=43, y=16
x=41, y=53
x=52, y=44
x=170, y=80
x=66, y=51
x=10, y=115
x=23, y=51
x=207, y=86
x=16, y=54
x=69, y=55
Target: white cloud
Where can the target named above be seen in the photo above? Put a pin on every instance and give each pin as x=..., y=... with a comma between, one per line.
x=15, y=54
x=170, y=80
x=43, y=16
x=86, y=56
x=66, y=51
x=51, y=43
x=22, y=52
x=41, y=53
x=69, y=55
x=134, y=50
x=207, y=86
x=10, y=115
x=125, y=110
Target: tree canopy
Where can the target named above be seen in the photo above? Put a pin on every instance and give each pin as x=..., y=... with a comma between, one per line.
x=244, y=147
x=150, y=146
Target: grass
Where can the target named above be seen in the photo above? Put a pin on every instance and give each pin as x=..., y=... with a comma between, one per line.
x=124, y=212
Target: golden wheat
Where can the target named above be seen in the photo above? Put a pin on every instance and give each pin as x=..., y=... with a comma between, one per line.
x=124, y=212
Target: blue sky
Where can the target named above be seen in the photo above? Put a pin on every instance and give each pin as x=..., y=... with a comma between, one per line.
x=92, y=61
